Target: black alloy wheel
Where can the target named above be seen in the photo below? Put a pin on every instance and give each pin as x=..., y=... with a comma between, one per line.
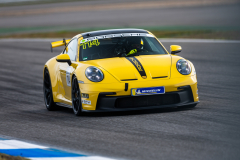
x=47, y=91
x=76, y=97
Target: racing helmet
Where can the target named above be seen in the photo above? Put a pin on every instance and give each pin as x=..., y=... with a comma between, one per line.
x=134, y=43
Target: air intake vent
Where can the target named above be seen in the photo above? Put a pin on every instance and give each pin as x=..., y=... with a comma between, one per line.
x=144, y=101
x=128, y=79
x=159, y=77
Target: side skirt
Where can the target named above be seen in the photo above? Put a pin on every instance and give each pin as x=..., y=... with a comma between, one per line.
x=63, y=105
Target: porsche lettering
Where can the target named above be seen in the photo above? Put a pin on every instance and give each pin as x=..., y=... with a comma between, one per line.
x=136, y=63
x=138, y=66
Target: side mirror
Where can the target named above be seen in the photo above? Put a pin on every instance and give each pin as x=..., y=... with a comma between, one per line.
x=64, y=58
x=175, y=49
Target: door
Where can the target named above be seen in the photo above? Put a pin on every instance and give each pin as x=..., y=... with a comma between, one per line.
x=66, y=70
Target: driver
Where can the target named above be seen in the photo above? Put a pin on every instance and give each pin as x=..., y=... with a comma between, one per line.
x=133, y=45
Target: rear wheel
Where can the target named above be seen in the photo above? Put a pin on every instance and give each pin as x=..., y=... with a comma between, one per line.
x=47, y=91
x=76, y=98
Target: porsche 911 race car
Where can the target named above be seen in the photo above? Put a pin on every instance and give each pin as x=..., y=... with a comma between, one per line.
x=118, y=70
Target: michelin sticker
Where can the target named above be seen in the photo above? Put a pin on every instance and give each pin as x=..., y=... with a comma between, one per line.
x=68, y=79
x=148, y=91
x=86, y=102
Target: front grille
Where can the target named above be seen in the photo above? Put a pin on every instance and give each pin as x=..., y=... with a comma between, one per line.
x=150, y=100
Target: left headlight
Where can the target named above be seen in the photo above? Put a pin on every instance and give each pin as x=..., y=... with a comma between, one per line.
x=94, y=74
x=183, y=67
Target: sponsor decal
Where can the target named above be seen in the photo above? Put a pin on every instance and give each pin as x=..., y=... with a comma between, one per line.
x=138, y=66
x=147, y=91
x=68, y=77
x=82, y=41
x=85, y=95
x=86, y=102
x=80, y=82
x=86, y=43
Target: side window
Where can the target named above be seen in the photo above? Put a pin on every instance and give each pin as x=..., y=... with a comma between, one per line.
x=72, y=49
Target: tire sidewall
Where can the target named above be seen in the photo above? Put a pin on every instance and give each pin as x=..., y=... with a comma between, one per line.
x=51, y=106
x=79, y=112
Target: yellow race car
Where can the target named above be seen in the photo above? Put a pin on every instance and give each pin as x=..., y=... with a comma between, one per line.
x=116, y=70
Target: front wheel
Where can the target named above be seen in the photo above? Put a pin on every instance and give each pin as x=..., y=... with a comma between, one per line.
x=76, y=98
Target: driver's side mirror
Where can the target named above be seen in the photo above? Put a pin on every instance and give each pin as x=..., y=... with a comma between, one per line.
x=175, y=49
x=64, y=58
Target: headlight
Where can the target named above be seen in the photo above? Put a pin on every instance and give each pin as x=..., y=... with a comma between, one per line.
x=183, y=67
x=94, y=74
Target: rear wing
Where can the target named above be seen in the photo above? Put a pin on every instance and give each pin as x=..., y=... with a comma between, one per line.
x=59, y=43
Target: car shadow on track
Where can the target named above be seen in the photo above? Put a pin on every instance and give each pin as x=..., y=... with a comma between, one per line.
x=126, y=113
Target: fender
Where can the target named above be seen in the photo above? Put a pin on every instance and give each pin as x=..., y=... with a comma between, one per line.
x=56, y=82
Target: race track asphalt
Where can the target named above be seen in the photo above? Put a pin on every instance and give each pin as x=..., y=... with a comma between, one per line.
x=174, y=14
x=208, y=132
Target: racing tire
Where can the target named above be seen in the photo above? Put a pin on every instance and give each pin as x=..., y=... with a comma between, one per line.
x=76, y=97
x=47, y=92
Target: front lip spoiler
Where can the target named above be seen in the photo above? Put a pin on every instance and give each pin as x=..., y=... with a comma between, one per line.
x=143, y=108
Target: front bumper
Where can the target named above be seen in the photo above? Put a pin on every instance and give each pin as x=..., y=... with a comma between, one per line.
x=101, y=102
x=143, y=108
x=127, y=103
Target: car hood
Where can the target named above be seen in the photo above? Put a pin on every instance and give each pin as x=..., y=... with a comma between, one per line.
x=133, y=68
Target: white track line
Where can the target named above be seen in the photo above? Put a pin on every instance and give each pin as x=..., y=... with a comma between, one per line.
x=197, y=40
x=74, y=158
x=29, y=40
x=15, y=144
x=182, y=40
x=37, y=152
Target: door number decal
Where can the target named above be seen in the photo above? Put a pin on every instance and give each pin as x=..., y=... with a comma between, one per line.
x=68, y=79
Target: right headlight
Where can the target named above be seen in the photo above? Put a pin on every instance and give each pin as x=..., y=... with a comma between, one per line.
x=94, y=74
x=183, y=67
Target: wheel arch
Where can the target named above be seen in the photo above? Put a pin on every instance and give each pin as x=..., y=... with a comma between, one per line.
x=74, y=75
x=50, y=65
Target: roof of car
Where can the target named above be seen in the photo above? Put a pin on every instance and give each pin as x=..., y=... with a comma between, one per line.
x=112, y=31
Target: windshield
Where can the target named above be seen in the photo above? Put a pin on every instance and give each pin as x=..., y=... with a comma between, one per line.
x=110, y=46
